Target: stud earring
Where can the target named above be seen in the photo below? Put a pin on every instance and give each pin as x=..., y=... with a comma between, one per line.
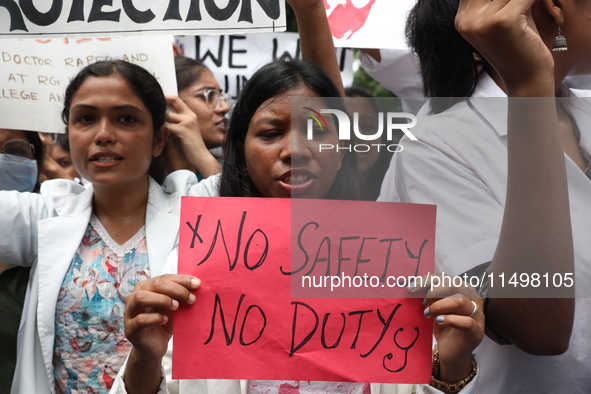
x=559, y=43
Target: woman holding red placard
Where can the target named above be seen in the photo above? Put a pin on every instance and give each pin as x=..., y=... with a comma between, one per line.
x=272, y=158
x=262, y=150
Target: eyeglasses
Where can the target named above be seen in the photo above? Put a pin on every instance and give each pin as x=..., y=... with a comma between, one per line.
x=18, y=150
x=213, y=98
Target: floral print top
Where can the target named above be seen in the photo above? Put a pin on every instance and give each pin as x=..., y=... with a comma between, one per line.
x=306, y=387
x=90, y=344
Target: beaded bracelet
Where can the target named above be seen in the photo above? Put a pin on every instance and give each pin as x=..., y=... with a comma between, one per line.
x=450, y=388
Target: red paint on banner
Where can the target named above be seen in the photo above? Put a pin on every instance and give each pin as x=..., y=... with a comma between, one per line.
x=347, y=19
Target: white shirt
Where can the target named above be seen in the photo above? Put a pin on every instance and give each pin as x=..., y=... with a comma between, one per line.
x=460, y=164
x=397, y=71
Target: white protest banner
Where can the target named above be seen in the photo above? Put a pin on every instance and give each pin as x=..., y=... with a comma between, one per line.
x=233, y=59
x=79, y=18
x=34, y=74
x=368, y=23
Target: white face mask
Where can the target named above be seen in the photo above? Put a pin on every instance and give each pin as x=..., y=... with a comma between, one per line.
x=19, y=175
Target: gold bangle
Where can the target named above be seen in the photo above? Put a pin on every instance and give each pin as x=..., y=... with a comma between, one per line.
x=450, y=388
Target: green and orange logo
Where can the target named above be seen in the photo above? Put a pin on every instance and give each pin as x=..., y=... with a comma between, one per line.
x=318, y=118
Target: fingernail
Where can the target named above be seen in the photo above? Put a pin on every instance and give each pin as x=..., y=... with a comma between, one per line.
x=192, y=298
x=424, y=302
x=165, y=318
x=411, y=286
x=175, y=304
x=426, y=312
x=440, y=319
x=195, y=282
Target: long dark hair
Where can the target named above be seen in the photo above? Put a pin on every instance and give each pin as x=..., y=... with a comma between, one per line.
x=141, y=82
x=38, y=148
x=188, y=71
x=371, y=180
x=63, y=142
x=38, y=154
x=269, y=81
x=450, y=66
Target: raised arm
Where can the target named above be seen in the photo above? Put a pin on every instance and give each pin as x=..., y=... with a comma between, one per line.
x=536, y=235
x=186, y=139
x=373, y=52
x=315, y=37
x=52, y=170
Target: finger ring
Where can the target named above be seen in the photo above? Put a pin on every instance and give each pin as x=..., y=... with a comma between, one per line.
x=473, y=310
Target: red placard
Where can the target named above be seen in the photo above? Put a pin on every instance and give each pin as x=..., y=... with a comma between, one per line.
x=246, y=323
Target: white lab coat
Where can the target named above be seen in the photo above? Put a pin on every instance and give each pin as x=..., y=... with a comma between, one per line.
x=44, y=231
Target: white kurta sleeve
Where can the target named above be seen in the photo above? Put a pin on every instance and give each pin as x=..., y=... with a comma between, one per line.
x=19, y=214
x=469, y=213
x=208, y=187
x=398, y=71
